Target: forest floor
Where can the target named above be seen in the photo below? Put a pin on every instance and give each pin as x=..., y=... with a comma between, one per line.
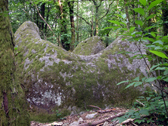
x=96, y=118
x=91, y=118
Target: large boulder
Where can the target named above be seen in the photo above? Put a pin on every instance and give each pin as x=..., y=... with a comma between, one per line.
x=53, y=77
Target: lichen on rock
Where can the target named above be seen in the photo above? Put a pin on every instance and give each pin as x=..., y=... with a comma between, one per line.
x=57, y=78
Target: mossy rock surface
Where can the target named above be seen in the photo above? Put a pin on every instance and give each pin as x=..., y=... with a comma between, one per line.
x=90, y=46
x=55, y=78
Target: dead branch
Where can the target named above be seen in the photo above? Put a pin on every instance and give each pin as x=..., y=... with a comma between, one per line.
x=106, y=110
x=60, y=44
x=106, y=11
x=42, y=17
x=101, y=121
x=95, y=107
x=140, y=103
x=83, y=19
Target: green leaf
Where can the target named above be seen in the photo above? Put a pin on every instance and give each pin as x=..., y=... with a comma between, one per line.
x=150, y=39
x=165, y=72
x=139, y=10
x=137, y=84
x=143, y=2
x=151, y=16
x=121, y=119
x=15, y=48
x=129, y=85
x=143, y=112
x=123, y=82
x=156, y=2
x=150, y=79
x=154, y=66
x=136, y=79
x=166, y=79
x=115, y=22
x=147, y=28
x=118, y=15
x=153, y=34
x=108, y=28
x=160, y=54
x=143, y=79
x=139, y=22
x=158, y=42
x=160, y=68
x=123, y=24
x=132, y=29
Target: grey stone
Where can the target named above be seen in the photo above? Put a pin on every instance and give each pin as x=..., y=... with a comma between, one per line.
x=54, y=77
x=90, y=116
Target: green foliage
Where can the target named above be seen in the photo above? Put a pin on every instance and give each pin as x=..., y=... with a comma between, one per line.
x=160, y=54
x=143, y=2
x=152, y=107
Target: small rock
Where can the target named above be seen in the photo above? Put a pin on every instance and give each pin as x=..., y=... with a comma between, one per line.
x=80, y=120
x=53, y=124
x=65, y=124
x=57, y=124
x=90, y=116
x=105, y=124
x=74, y=123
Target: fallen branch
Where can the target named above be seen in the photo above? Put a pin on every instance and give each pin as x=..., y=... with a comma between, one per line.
x=106, y=110
x=102, y=111
x=140, y=103
x=101, y=121
x=95, y=107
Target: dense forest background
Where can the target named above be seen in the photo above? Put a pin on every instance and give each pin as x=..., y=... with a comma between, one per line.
x=68, y=22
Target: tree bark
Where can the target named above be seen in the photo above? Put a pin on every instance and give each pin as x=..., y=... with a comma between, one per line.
x=165, y=17
x=77, y=22
x=42, y=14
x=13, y=109
x=133, y=12
x=71, y=12
x=63, y=24
x=127, y=14
x=96, y=16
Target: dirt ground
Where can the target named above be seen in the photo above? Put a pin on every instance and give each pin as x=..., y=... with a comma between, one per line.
x=90, y=118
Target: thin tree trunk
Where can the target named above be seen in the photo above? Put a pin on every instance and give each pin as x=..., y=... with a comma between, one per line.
x=133, y=6
x=77, y=22
x=138, y=15
x=42, y=14
x=63, y=24
x=13, y=109
x=47, y=18
x=96, y=16
x=71, y=12
x=127, y=14
x=165, y=17
x=96, y=22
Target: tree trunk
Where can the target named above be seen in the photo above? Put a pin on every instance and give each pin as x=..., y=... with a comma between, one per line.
x=43, y=15
x=48, y=8
x=127, y=14
x=71, y=12
x=13, y=109
x=77, y=22
x=96, y=21
x=152, y=21
x=63, y=24
x=96, y=16
x=133, y=12
x=165, y=17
